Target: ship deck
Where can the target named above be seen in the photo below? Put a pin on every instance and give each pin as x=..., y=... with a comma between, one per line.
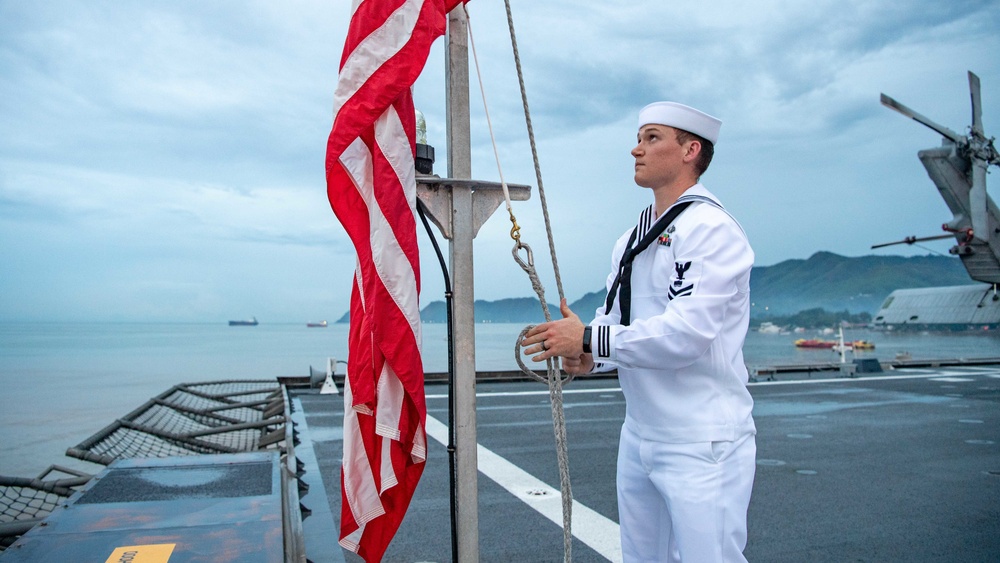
x=901, y=466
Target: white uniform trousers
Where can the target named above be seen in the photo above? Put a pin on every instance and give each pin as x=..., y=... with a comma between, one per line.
x=684, y=502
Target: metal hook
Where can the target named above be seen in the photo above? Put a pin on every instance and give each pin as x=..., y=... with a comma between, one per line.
x=515, y=230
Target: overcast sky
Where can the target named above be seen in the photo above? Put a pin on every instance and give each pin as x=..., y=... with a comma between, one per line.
x=165, y=160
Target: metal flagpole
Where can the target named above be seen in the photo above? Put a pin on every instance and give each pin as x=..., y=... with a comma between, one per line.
x=459, y=206
x=464, y=338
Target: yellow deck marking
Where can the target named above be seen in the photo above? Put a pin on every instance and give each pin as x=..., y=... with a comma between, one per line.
x=153, y=553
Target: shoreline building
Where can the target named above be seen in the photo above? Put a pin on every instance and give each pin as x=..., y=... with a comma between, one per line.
x=953, y=308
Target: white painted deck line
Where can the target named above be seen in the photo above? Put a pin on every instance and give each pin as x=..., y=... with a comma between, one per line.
x=910, y=374
x=953, y=379
x=916, y=373
x=597, y=532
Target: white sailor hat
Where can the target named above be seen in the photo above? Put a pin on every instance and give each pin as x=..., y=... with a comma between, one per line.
x=683, y=117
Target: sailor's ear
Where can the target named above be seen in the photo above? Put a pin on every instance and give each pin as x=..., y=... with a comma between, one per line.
x=692, y=150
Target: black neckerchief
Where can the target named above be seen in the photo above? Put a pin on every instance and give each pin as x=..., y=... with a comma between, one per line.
x=624, y=277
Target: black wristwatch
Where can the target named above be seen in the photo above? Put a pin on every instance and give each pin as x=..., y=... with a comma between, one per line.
x=586, y=339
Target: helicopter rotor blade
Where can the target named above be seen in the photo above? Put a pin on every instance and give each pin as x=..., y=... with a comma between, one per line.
x=977, y=104
x=944, y=131
x=977, y=201
x=911, y=240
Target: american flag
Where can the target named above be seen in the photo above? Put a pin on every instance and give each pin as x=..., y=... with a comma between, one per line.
x=372, y=189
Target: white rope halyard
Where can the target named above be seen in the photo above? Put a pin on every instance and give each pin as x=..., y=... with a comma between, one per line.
x=554, y=377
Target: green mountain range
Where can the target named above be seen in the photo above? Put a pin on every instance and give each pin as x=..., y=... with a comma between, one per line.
x=824, y=280
x=837, y=283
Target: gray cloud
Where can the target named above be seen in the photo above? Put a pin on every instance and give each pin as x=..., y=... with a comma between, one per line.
x=164, y=160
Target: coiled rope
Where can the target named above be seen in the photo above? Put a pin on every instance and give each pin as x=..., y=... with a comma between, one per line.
x=554, y=377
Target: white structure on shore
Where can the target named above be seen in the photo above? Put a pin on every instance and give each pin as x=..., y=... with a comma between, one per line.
x=962, y=307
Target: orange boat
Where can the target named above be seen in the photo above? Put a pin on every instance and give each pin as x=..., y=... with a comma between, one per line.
x=814, y=343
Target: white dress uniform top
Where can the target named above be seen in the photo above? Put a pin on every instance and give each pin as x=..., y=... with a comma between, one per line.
x=681, y=369
x=680, y=361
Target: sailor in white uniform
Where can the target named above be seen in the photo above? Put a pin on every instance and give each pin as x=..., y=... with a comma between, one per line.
x=673, y=325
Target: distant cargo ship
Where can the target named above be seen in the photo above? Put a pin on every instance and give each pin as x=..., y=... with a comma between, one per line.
x=251, y=322
x=321, y=324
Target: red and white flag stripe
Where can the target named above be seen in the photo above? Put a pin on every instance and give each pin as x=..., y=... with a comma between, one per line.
x=372, y=189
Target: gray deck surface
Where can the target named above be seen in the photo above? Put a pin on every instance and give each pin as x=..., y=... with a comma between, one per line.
x=904, y=467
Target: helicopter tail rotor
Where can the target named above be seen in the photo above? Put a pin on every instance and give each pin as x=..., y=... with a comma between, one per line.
x=912, y=240
x=944, y=131
x=977, y=104
x=981, y=155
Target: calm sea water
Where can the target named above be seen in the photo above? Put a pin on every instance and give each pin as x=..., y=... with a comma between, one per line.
x=64, y=382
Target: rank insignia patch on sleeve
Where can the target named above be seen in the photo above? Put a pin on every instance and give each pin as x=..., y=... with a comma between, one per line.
x=678, y=289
